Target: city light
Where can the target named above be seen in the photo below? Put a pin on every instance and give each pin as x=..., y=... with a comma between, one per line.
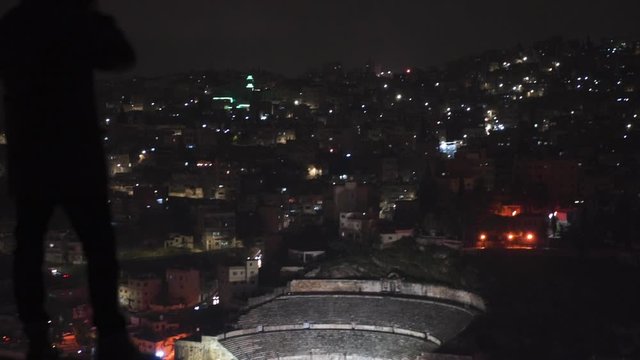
x=504, y=139
x=224, y=98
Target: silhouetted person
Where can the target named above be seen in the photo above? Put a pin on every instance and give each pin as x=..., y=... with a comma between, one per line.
x=48, y=52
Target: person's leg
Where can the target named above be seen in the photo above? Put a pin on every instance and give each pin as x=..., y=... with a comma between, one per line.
x=91, y=218
x=28, y=279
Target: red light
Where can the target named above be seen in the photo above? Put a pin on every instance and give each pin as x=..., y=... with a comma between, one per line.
x=510, y=236
x=530, y=236
x=408, y=71
x=483, y=237
x=66, y=276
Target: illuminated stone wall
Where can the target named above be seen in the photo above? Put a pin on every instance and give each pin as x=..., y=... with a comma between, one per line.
x=207, y=349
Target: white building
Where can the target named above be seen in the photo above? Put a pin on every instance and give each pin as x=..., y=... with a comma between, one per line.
x=388, y=238
x=238, y=280
x=179, y=241
x=355, y=226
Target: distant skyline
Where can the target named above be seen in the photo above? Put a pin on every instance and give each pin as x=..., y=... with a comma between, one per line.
x=289, y=36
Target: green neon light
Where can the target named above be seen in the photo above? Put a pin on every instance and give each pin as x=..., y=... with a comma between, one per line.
x=227, y=107
x=224, y=98
x=243, y=106
x=249, y=86
x=250, y=78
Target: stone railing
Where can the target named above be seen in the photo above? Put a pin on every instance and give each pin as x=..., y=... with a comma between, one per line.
x=342, y=356
x=309, y=326
x=388, y=286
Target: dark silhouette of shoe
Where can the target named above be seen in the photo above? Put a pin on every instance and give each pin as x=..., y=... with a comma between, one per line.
x=117, y=346
x=46, y=352
x=39, y=343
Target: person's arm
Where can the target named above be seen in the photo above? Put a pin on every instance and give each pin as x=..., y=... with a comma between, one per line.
x=110, y=49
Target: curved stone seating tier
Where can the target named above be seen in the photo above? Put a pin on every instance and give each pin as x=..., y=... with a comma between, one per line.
x=440, y=320
x=314, y=343
x=345, y=320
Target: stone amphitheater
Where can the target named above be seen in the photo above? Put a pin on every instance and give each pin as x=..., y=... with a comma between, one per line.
x=342, y=319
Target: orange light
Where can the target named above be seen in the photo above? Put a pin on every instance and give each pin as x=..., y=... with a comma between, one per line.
x=510, y=236
x=483, y=237
x=530, y=236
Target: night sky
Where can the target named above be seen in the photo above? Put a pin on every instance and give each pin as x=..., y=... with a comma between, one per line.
x=290, y=36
